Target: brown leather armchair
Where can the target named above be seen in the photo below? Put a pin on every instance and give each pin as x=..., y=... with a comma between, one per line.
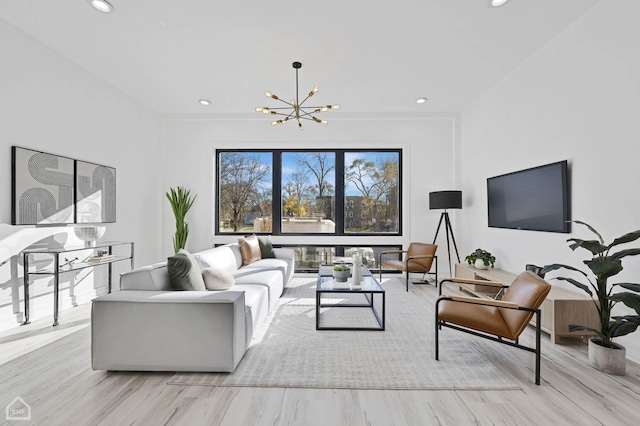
x=419, y=258
x=496, y=319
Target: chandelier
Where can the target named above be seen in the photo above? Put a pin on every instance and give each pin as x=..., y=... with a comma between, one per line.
x=294, y=108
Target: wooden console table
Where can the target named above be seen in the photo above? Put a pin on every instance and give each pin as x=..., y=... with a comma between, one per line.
x=560, y=308
x=59, y=268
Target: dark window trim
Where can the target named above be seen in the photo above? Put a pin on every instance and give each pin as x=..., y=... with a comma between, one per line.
x=276, y=180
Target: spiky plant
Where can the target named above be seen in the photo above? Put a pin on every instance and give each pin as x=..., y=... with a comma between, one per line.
x=181, y=201
x=603, y=266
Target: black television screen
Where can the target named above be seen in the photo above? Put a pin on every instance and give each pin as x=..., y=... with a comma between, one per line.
x=535, y=199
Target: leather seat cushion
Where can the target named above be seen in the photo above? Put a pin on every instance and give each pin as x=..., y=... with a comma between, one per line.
x=478, y=317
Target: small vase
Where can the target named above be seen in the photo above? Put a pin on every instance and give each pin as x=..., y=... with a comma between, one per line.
x=479, y=264
x=609, y=360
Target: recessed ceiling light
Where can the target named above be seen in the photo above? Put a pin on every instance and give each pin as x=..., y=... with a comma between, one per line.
x=204, y=102
x=421, y=100
x=101, y=5
x=496, y=3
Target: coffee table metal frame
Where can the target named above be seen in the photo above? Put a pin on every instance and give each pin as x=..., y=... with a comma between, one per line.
x=369, y=288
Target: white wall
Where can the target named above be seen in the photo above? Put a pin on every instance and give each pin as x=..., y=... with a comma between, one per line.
x=578, y=99
x=51, y=105
x=428, y=165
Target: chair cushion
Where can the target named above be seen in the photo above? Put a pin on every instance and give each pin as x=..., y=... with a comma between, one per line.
x=184, y=272
x=478, y=317
x=217, y=279
x=250, y=249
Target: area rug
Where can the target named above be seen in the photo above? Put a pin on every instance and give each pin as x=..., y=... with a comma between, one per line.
x=289, y=352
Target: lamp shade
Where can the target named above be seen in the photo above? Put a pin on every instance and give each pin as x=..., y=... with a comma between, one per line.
x=445, y=200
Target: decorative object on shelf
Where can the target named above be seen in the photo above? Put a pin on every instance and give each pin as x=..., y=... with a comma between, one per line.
x=181, y=201
x=604, y=354
x=295, y=106
x=446, y=200
x=481, y=259
x=89, y=234
x=356, y=276
x=49, y=189
x=341, y=273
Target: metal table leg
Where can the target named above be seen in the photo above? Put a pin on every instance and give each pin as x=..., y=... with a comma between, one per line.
x=25, y=264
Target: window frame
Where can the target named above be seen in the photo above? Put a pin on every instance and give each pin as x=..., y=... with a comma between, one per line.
x=339, y=197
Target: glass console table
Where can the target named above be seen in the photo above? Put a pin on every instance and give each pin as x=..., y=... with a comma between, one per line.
x=75, y=264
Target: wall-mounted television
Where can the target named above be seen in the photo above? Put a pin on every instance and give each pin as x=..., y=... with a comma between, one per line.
x=535, y=199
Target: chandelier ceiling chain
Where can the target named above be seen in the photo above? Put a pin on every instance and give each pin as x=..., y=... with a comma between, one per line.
x=297, y=111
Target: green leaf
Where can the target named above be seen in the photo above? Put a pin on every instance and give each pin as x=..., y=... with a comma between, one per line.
x=630, y=318
x=590, y=229
x=629, y=286
x=624, y=329
x=592, y=245
x=632, y=300
x=604, y=268
x=573, y=327
x=624, y=253
x=626, y=238
x=556, y=266
x=577, y=284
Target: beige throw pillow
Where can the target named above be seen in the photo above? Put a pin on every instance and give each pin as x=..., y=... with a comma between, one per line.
x=249, y=249
x=217, y=279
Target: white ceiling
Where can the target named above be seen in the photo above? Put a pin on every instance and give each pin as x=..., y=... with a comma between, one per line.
x=371, y=57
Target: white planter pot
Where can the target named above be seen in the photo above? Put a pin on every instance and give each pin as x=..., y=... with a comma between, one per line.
x=479, y=264
x=341, y=276
x=609, y=360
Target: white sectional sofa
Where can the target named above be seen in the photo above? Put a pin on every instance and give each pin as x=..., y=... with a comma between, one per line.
x=147, y=326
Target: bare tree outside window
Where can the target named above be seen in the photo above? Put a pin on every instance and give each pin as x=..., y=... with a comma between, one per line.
x=373, y=178
x=244, y=191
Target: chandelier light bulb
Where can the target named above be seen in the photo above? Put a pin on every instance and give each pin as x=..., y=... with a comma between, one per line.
x=314, y=90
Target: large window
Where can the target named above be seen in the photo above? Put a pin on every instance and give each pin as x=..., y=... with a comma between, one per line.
x=301, y=192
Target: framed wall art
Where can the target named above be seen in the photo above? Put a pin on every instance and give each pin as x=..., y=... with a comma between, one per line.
x=42, y=188
x=49, y=189
x=95, y=193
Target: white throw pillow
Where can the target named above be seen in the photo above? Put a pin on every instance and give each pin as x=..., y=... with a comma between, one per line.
x=217, y=279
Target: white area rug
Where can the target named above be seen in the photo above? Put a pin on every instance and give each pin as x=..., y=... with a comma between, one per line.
x=289, y=352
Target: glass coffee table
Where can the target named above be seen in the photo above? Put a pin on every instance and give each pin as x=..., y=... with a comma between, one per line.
x=367, y=291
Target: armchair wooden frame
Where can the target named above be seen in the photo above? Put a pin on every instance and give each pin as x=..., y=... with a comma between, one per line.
x=488, y=302
x=406, y=266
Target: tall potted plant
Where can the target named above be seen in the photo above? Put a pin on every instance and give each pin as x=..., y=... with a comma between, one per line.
x=604, y=354
x=181, y=201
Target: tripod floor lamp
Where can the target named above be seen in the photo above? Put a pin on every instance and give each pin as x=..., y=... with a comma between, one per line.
x=446, y=200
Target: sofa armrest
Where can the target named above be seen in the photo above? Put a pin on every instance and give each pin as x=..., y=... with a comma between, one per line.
x=168, y=331
x=284, y=253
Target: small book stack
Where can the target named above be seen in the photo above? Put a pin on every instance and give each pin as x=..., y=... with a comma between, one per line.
x=101, y=259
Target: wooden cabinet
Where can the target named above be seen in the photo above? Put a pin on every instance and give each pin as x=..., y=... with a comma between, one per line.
x=560, y=308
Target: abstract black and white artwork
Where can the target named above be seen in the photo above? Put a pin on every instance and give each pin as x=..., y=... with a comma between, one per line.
x=95, y=193
x=43, y=188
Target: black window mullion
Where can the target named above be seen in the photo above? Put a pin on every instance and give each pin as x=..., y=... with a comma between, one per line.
x=339, y=192
x=276, y=197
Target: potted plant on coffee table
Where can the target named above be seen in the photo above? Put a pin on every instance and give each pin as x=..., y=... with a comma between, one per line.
x=341, y=272
x=604, y=354
x=481, y=259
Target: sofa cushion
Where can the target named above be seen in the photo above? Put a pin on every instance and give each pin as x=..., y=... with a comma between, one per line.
x=250, y=249
x=221, y=257
x=184, y=272
x=217, y=279
x=266, y=247
x=271, y=279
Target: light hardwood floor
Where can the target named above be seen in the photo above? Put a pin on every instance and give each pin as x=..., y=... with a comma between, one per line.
x=50, y=368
